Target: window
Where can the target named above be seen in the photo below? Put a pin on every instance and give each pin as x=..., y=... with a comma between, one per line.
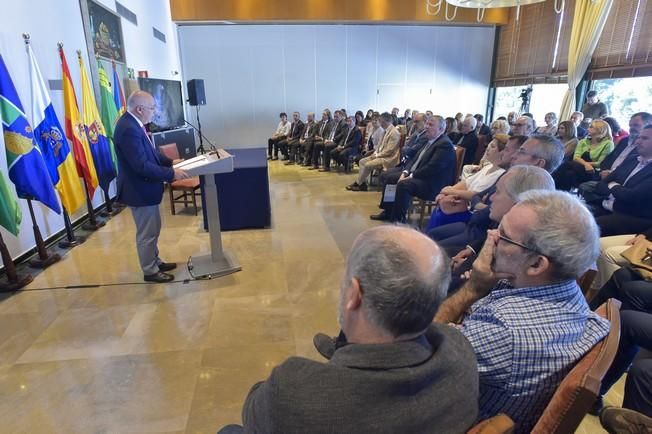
x=543, y=99
x=625, y=96
x=507, y=100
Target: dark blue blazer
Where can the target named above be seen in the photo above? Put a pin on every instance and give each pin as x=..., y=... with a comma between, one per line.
x=141, y=168
x=633, y=197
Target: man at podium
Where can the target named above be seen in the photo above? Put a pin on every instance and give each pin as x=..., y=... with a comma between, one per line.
x=142, y=170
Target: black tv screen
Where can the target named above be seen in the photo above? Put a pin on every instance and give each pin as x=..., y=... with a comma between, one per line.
x=169, y=102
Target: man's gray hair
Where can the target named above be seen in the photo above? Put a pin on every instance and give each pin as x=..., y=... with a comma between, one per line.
x=525, y=178
x=439, y=121
x=387, y=117
x=398, y=295
x=136, y=99
x=550, y=149
x=530, y=123
x=564, y=231
x=473, y=121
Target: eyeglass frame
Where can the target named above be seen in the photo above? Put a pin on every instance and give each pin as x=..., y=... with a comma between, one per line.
x=516, y=243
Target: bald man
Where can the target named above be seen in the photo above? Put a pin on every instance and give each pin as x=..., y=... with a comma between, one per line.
x=142, y=170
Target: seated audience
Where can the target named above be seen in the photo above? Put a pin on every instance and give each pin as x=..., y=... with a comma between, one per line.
x=385, y=155
x=322, y=131
x=577, y=118
x=626, y=193
x=534, y=123
x=522, y=296
x=459, y=118
x=297, y=149
x=451, y=129
x=468, y=139
x=359, y=119
x=424, y=175
x=481, y=129
x=617, y=132
x=416, y=140
x=296, y=129
x=391, y=369
x=567, y=133
x=406, y=118
x=395, y=116
x=349, y=145
x=551, y=125
x=610, y=259
x=523, y=126
x=587, y=157
x=282, y=131
x=499, y=126
x=511, y=118
x=373, y=135
x=594, y=109
x=335, y=133
x=369, y=115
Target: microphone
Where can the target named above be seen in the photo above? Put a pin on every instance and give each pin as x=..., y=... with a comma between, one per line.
x=213, y=148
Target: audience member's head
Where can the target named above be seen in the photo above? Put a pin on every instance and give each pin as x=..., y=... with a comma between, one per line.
x=435, y=127
x=296, y=116
x=451, y=125
x=500, y=126
x=501, y=118
x=577, y=118
x=495, y=148
x=528, y=114
x=523, y=126
x=370, y=113
x=592, y=97
x=517, y=180
x=394, y=282
x=550, y=119
x=311, y=117
x=644, y=143
x=566, y=130
x=407, y=113
x=283, y=116
x=419, y=120
x=549, y=236
x=375, y=120
x=637, y=122
x=599, y=130
x=326, y=115
x=395, y=111
x=511, y=117
x=359, y=117
x=613, y=124
x=385, y=120
x=350, y=121
x=468, y=125
x=480, y=120
x=429, y=114
x=511, y=148
x=414, y=113
x=540, y=150
x=337, y=115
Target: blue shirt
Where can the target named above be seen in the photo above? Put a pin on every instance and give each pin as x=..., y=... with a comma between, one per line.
x=526, y=340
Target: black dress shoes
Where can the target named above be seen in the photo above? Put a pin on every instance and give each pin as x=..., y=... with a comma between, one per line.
x=166, y=266
x=324, y=344
x=159, y=277
x=362, y=187
x=380, y=217
x=325, y=169
x=353, y=187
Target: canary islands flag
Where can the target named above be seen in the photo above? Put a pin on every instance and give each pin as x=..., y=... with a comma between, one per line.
x=10, y=213
x=27, y=169
x=118, y=95
x=97, y=140
x=52, y=141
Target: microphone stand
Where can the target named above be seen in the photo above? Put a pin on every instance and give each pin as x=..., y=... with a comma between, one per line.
x=213, y=148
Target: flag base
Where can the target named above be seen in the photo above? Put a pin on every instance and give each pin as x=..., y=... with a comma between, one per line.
x=52, y=258
x=70, y=243
x=88, y=226
x=21, y=281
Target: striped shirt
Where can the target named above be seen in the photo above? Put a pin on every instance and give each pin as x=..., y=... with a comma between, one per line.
x=526, y=340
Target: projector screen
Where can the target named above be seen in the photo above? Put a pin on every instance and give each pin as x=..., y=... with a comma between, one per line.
x=169, y=102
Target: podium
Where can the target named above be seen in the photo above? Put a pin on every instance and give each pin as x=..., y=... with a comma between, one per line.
x=218, y=262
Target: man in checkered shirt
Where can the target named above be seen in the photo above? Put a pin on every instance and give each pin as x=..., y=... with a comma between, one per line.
x=522, y=310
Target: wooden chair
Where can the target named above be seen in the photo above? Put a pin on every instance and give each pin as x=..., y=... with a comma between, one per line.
x=459, y=158
x=586, y=280
x=581, y=386
x=482, y=147
x=499, y=424
x=189, y=189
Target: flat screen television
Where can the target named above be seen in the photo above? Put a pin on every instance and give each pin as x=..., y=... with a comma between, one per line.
x=169, y=103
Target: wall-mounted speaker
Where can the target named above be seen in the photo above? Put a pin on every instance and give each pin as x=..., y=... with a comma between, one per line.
x=196, y=94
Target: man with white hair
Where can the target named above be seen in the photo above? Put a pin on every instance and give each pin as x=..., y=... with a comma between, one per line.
x=391, y=369
x=523, y=126
x=142, y=172
x=577, y=118
x=468, y=139
x=528, y=320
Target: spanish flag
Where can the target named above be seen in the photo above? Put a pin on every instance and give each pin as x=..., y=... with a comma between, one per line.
x=75, y=130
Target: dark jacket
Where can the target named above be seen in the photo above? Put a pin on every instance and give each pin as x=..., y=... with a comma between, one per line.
x=340, y=131
x=425, y=385
x=620, y=147
x=296, y=129
x=633, y=197
x=141, y=168
x=413, y=146
x=470, y=143
x=436, y=167
x=352, y=139
x=323, y=133
x=311, y=128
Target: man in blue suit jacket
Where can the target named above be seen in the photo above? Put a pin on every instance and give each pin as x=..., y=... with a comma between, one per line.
x=142, y=171
x=627, y=207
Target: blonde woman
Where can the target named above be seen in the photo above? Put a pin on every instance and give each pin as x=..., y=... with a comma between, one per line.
x=587, y=157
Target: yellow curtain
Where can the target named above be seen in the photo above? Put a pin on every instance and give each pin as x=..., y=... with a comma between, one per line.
x=588, y=22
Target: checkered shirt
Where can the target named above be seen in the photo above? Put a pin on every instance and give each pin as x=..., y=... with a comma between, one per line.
x=526, y=340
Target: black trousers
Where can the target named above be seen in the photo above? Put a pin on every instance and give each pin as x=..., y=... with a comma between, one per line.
x=341, y=156
x=405, y=191
x=627, y=286
x=327, y=150
x=571, y=174
x=635, y=333
x=273, y=145
x=306, y=151
x=286, y=145
x=294, y=150
x=616, y=223
x=317, y=149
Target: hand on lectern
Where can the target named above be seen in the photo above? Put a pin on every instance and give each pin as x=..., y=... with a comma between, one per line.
x=180, y=174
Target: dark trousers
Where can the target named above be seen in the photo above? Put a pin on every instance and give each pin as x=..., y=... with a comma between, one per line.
x=405, y=191
x=306, y=151
x=627, y=286
x=273, y=145
x=328, y=149
x=286, y=145
x=453, y=237
x=295, y=150
x=232, y=429
x=341, y=156
x=571, y=174
x=317, y=149
x=619, y=224
x=635, y=333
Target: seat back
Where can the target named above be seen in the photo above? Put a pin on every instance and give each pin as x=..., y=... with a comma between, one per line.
x=499, y=424
x=586, y=280
x=482, y=147
x=581, y=386
x=459, y=158
x=170, y=150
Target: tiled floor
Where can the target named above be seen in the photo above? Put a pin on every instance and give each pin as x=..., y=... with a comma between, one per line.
x=179, y=358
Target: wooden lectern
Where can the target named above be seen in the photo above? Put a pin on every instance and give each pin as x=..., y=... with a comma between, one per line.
x=219, y=262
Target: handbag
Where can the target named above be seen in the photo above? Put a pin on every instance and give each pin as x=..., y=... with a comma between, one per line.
x=451, y=205
x=639, y=257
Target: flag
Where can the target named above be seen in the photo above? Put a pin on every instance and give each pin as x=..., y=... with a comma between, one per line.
x=27, y=169
x=109, y=111
x=97, y=140
x=52, y=141
x=10, y=213
x=118, y=95
x=75, y=130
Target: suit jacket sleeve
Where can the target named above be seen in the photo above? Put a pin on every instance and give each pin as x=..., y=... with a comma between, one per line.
x=134, y=152
x=438, y=162
x=354, y=139
x=165, y=161
x=391, y=144
x=634, y=194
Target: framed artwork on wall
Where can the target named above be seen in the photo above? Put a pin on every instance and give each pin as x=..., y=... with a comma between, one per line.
x=105, y=30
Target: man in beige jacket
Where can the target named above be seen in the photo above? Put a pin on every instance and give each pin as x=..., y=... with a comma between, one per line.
x=385, y=156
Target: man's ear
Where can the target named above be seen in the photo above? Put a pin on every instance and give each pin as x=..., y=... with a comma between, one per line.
x=538, y=265
x=354, y=295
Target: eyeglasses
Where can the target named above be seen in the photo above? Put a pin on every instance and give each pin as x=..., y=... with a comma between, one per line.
x=150, y=107
x=516, y=243
x=524, y=152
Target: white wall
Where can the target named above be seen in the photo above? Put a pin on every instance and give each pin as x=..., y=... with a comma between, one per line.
x=49, y=22
x=253, y=72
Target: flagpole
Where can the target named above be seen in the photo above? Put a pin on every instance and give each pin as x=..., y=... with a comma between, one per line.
x=15, y=281
x=93, y=223
x=71, y=240
x=45, y=259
